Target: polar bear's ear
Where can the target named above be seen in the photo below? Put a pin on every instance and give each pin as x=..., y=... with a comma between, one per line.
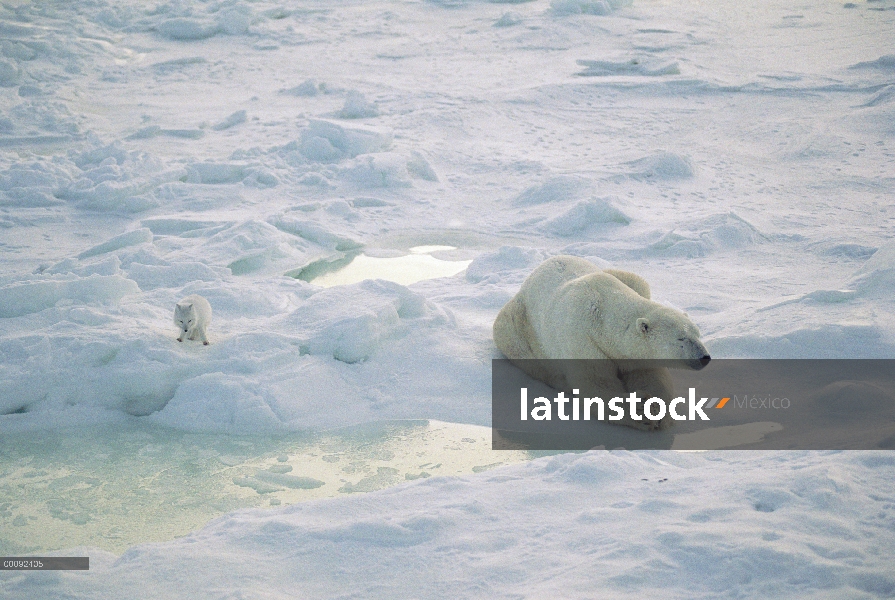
x=643, y=325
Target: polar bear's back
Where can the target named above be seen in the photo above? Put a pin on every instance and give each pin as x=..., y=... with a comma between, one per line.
x=548, y=280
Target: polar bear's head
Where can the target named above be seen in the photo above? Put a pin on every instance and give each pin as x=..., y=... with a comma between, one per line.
x=664, y=333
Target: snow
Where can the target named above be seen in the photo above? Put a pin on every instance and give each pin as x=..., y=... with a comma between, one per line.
x=617, y=524
x=737, y=155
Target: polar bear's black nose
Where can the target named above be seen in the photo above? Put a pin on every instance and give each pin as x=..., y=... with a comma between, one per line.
x=705, y=360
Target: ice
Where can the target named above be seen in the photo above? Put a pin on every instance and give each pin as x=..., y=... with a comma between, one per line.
x=735, y=154
x=324, y=141
x=187, y=29
x=33, y=296
x=237, y=118
x=131, y=238
x=574, y=7
x=586, y=216
x=358, y=107
x=368, y=313
x=877, y=276
x=634, y=66
x=378, y=170
x=508, y=19
x=446, y=532
x=663, y=165
x=555, y=189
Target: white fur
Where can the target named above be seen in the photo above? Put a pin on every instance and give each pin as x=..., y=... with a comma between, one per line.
x=568, y=308
x=192, y=316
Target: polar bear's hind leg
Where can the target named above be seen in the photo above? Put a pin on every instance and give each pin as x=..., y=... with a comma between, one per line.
x=510, y=329
x=635, y=282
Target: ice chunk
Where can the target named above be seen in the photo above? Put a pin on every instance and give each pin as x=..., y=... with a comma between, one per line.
x=350, y=322
x=28, y=297
x=420, y=168
x=508, y=19
x=358, y=107
x=635, y=66
x=187, y=29
x=308, y=87
x=215, y=173
x=323, y=141
x=9, y=74
x=662, y=165
x=233, y=120
x=586, y=215
x=131, y=238
x=217, y=402
x=555, y=189
x=150, y=277
x=507, y=258
x=379, y=170
x=578, y=7
x=235, y=20
x=877, y=276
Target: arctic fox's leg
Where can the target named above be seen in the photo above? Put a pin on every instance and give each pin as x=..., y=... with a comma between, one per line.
x=200, y=334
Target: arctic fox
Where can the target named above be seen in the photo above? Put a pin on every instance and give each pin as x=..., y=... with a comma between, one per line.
x=192, y=316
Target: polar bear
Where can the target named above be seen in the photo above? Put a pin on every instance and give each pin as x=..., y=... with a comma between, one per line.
x=192, y=315
x=568, y=308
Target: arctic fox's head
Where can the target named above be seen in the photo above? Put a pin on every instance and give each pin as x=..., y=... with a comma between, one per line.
x=185, y=317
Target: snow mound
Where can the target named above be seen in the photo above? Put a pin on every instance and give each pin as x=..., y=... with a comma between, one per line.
x=587, y=7
x=254, y=247
x=877, y=276
x=34, y=184
x=882, y=97
x=659, y=523
x=723, y=231
x=821, y=341
x=237, y=118
x=493, y=266
x=215, y=173
x=314, y=233
x=635, y=66
x=9, y=74
x=378, y=170
x=307, y=88
x=215, y=402
x=587, y=216
x=109, y=178
x=326, y=142
x=350, y=322
x=131, y=238
x=358, y=107
x=883, y=63
x=184, y=29
x=508, y=19
x=23, y=298
x=150, y=277
x=661, y=166
x=555, y=189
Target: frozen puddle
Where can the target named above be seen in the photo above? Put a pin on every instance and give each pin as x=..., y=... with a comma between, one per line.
x=113, y=487
x=416, y=266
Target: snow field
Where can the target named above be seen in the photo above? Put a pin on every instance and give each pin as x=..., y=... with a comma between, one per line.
x=736, y=155
x=617, y=524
